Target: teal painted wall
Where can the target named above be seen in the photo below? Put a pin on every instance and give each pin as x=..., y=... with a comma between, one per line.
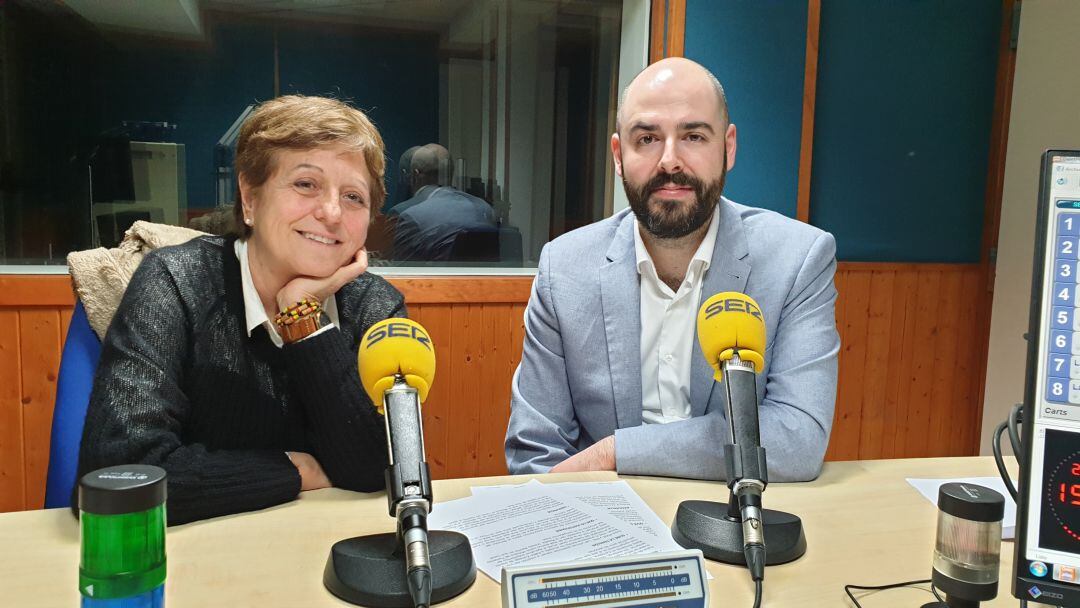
x=905, y=98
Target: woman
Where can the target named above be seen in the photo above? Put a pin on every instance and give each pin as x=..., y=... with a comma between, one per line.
x=202, y=374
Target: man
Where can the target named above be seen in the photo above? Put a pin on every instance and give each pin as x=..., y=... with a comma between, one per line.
x=611, y=376
x=417, y=180
x=435, y=217
x=403, y=189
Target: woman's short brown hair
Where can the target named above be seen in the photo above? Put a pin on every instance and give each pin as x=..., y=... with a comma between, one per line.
x=298, y=122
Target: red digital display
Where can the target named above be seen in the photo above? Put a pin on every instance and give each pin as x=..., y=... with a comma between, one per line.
x=1060, y=525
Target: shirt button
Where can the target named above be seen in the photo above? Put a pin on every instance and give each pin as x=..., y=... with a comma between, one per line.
x=668, y=358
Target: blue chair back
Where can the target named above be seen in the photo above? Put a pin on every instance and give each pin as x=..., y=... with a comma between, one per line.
x=77, y=364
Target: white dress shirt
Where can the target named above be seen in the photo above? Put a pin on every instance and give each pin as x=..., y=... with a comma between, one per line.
x=254, y=312
x=668, y=326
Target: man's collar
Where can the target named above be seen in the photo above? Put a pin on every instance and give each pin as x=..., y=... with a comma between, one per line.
x=703, y=254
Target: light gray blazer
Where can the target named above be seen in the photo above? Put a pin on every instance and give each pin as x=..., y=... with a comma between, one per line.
x=580, y=374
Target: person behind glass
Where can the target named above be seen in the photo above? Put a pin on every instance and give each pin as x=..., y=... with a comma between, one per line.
x=380, y=241
x=432, y=220
x=422, y=176
x=231, y=362
x=404, y=182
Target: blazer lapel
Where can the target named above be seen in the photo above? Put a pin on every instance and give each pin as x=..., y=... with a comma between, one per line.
x=620, y=300
x=728, y=271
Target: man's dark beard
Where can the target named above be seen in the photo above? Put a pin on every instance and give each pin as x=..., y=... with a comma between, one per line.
x=668, y=222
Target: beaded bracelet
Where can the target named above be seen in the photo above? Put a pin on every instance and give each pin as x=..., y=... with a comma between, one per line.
x=292, y=314
x=299, y=320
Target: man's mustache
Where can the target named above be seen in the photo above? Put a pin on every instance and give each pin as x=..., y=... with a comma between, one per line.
x=679, y=179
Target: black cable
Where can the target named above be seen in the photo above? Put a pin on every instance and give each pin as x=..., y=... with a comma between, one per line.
x=848, y=588
x=999, y=460
x=1014, y=433
x=757, y=594
x=933, y=590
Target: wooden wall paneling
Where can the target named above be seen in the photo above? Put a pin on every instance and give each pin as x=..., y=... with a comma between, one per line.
x=943, y=415
x=495, y=373
x=852, y=362
x=464, y=417
x=463, y=290
x=901, y=339
x=65, y=323
x=36, y=290
x=909, y=369
x=920, y=379
x=436, y=320
x=39, y=341
x=879, y=320
x=12, y=469
x=969, y=374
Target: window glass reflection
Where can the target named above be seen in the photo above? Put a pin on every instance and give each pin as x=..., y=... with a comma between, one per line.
x=496, y=116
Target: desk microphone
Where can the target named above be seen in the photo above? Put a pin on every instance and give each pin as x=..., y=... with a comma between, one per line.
x=731, y=331
x=396, y=362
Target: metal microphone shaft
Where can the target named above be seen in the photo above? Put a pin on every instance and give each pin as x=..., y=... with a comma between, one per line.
x=409, y=485
x=412, y=566
x=747, y=470
x=412, y=518
x=732, y=336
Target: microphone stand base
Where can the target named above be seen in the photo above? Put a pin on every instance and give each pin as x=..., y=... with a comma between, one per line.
x=706, y=525
x=370, y=570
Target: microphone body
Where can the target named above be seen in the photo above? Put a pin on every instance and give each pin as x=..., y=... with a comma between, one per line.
x=747, y=470
x=731, y=331
x=408, y=484
x=397, y=365
x=412, y=566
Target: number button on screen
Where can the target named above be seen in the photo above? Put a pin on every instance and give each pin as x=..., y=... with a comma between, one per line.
x=1064, y=318
x=1056, y=390
x=1065, y=294
x=1061, y=342
x=1065, y=271
x=1060, y=366
x=1066, y=248
x=1068, y=224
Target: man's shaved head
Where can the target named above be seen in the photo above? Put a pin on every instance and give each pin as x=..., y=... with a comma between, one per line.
x=663, y=72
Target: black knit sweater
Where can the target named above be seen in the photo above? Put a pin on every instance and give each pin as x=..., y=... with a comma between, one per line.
x=181, y=385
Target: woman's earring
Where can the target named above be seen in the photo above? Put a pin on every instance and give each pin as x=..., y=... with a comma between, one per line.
x=249, y=221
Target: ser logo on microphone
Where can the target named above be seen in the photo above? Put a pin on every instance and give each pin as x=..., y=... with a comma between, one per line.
x=732, y=305
x=398, y=330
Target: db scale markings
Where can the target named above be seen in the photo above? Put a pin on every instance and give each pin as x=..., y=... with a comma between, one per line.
x=618, y=586
x=673, y=579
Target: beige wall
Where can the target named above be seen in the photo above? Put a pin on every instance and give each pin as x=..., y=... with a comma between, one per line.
x=1045, y=114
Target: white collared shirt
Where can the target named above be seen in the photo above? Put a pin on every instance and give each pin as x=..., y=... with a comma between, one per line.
x=668, y=323
x=255, y=314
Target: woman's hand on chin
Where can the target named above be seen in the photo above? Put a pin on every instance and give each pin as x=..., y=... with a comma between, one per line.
x=321, y=288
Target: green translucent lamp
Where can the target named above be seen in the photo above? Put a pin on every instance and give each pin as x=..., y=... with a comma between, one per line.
x=122, y=530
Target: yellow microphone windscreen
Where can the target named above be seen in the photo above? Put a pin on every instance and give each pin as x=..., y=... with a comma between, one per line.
x=391, y=347
x=730, y=321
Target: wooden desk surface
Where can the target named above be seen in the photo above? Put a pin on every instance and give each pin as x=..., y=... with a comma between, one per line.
x=864, y=525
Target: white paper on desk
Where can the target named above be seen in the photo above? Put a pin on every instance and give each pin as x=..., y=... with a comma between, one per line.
x=929, y=489
x=527, y=524
x=487, y=489
x=616, y=498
